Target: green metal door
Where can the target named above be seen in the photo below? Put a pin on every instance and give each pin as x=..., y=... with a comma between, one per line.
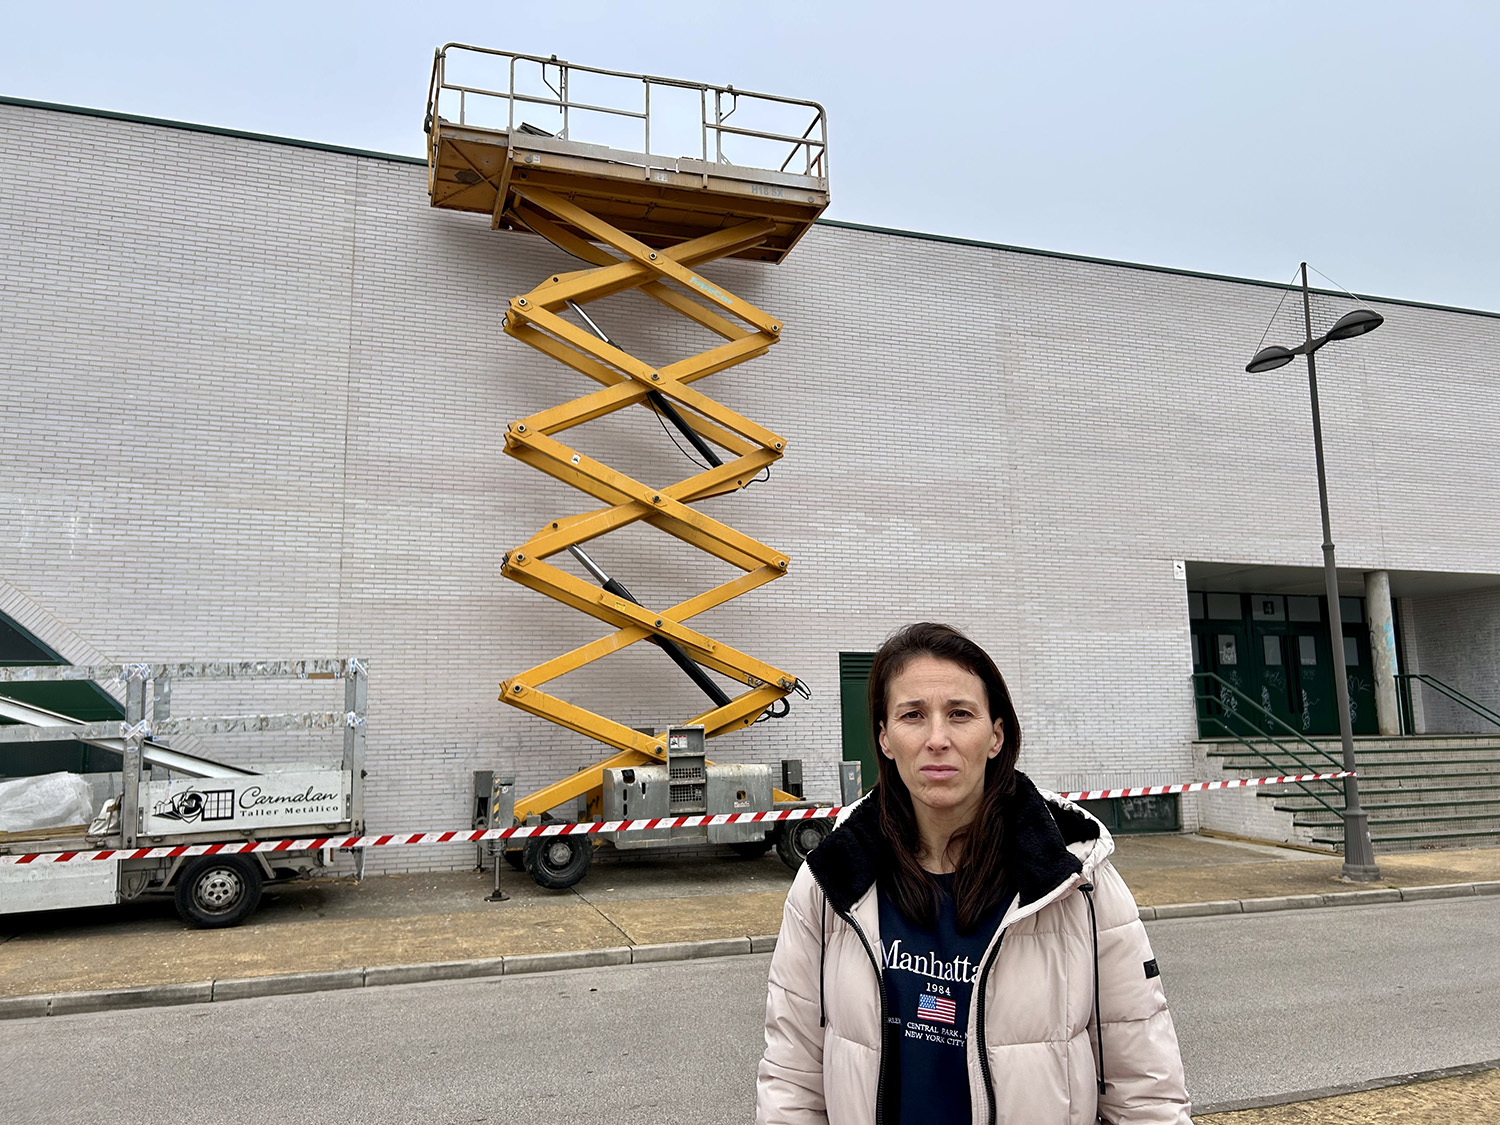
x=1312, y=663
x=1276, y=650
x=1271, y=661
x=1318, y=709
x=854, y=712
x=1220, y=636
x=1359, y=667
x=1320, y=712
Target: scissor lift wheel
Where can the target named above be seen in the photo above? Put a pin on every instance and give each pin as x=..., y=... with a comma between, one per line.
x=558, y=862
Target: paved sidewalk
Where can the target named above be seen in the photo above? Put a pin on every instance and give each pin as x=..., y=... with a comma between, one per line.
x=402, y=928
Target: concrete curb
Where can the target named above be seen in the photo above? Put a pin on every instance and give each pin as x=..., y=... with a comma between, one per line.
x=437, y=970
x=284, y=984
x=1309, y=902
x=1347, y=1088
x=689, y=950
x=554, y=962
x=110, y=999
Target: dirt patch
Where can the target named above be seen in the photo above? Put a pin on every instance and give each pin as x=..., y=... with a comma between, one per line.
x=704, y=918
x=1470, y=1099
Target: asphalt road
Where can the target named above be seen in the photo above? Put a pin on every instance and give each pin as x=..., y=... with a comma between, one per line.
x=1301, y=1000
x=1264, y=1004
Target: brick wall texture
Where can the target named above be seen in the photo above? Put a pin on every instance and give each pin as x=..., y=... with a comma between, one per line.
x=1447, y=630
x=255, y=396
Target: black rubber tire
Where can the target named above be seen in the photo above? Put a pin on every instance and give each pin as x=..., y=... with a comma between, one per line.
x=752, y=849
x=796, y=838
x=516, y=858
x=216, y=891
x=558, y=862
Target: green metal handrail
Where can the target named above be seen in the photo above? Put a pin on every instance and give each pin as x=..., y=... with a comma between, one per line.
x=1404, y=700
x=1258, y=708
x=1265, y=735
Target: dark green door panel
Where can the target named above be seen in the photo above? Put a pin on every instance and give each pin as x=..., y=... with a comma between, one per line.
x=854, y=711
x=1276, y=650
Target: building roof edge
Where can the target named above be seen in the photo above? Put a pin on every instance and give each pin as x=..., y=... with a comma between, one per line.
x=841, y=224
x=1119, y=264
x=215, y=130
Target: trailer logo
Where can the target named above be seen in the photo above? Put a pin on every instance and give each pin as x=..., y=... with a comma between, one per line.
x=257, y=802
x=191, y=805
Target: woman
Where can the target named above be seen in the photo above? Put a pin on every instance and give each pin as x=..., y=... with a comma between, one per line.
x=959, y=949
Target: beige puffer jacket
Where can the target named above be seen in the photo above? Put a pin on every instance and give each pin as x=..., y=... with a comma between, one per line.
x=1037, y=1020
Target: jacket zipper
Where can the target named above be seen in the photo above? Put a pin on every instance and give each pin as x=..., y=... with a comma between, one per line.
x=978, y=998
x=884, y=1015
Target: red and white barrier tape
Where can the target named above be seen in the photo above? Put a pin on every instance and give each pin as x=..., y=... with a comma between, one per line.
x=586, y=828
x=1202, y=786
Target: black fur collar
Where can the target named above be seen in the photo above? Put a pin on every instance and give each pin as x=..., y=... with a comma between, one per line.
x=1035, y=842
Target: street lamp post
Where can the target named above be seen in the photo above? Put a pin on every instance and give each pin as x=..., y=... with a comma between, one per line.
x=1359, y=855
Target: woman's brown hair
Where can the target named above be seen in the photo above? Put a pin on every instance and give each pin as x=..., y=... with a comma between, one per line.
x=975, y=849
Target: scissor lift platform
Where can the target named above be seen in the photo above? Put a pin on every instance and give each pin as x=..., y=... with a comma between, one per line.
x=480, y=149
x=577, y=156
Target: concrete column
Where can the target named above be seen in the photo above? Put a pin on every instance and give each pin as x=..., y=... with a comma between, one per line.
x=1411, y=628
x=1382, y=649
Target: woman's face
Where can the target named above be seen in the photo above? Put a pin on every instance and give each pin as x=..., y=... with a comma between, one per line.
x=938, y=731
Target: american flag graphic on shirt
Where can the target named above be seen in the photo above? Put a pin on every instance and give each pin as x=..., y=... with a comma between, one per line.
x=936, y=1009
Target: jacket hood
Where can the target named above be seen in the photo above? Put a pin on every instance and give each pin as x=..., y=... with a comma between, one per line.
x=1045, y=841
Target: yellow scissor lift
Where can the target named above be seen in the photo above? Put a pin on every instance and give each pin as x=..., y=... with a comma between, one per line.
x=590, y=179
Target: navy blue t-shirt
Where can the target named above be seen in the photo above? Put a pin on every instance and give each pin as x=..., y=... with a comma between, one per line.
x=929, y=976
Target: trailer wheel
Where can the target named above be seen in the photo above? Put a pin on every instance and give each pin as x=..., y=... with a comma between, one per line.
x=217, y=891
x=752, y=849
x=557, y=862
x=797, y=838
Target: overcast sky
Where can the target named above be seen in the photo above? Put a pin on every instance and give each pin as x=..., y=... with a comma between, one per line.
x=1234, y=138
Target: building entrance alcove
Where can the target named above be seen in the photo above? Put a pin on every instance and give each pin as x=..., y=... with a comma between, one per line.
x=1275, y=648
x=1422, y=649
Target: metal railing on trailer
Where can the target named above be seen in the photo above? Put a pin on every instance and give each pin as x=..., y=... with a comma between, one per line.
x=199, y=801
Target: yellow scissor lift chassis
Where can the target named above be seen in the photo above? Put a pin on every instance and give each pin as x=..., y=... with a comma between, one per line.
x=645, y=223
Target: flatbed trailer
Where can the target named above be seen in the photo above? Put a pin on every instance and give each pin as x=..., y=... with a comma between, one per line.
x=163, y=797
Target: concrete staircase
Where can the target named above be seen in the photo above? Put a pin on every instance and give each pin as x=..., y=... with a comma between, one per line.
x=1421, y=792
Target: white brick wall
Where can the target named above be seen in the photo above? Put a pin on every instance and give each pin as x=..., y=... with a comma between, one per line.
x=1455, y=638
x=256, y=394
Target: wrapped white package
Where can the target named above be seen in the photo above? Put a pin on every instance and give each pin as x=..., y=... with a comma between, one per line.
x=108, y=821
x=49, y=801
